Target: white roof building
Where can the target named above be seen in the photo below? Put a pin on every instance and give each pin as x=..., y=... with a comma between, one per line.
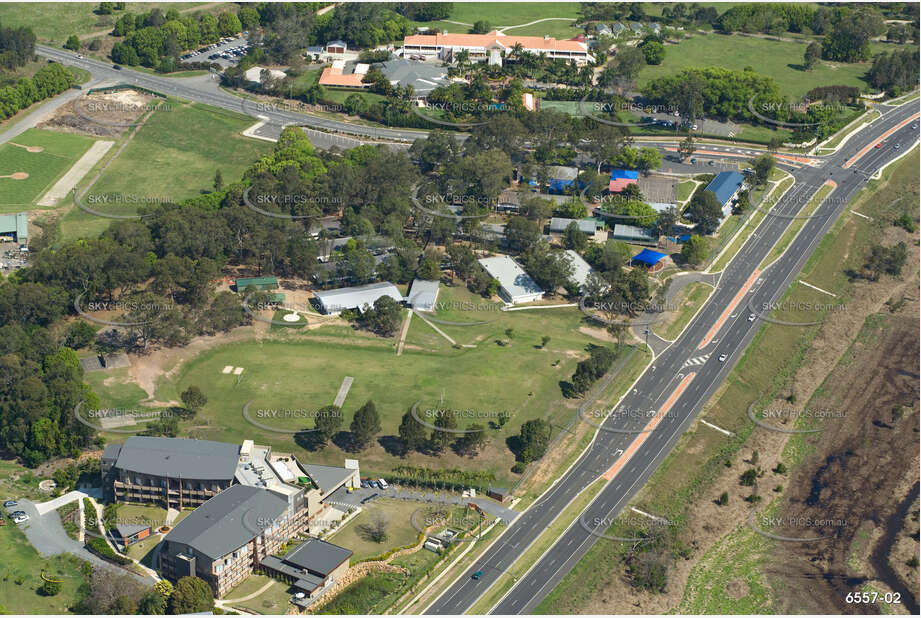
x=515, y=285
x=334, y=302
x=580, y=268
x=254, y=74
x=423, y=294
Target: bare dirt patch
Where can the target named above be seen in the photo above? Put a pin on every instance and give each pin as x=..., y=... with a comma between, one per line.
x=111, y=109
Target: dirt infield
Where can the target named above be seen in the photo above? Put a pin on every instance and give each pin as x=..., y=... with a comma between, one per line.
x=69, y=180
x=16, y=176
x=28, y=148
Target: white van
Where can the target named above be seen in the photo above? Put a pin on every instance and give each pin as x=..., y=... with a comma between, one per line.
x=382, y=483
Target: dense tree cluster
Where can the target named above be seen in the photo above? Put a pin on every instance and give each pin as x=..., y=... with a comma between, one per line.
x=591, y=369
x=848, y=39
x=425, y=11
x=769, y=18
x=48, y=81
x=17, y=46
x=361, y=24
x=895, y=72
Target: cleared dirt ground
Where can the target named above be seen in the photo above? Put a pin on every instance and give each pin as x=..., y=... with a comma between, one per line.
x=114, y=111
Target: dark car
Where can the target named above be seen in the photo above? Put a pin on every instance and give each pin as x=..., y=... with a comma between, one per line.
x=477, y=575
x=117, y=66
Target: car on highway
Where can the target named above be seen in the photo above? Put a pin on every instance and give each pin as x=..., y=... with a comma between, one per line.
x=723, y=357
x=914, y=126
x=117, y=67
x=751, y=317
x=477, y=575
x=879, y=145
x=897, y=146
x=10, y=503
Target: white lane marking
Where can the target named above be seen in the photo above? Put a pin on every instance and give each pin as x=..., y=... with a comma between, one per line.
x=719, y=429
x=809, y=285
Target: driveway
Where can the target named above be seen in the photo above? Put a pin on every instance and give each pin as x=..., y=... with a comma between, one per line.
x=362, y=495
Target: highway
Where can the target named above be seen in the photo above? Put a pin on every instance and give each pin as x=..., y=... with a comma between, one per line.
x=627, y=449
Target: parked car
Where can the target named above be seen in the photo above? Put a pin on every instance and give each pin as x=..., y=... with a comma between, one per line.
x=382, y=483
x=10, y=503
x=20, y=518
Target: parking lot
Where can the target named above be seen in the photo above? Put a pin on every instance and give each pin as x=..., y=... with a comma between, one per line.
x=227, y=52
x=11, y=258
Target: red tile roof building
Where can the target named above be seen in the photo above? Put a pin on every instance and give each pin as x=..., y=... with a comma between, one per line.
x=481, y=46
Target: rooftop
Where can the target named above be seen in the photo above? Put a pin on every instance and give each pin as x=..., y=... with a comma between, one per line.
x=510, y=275
x=724, y=185
x=423, y=77
x=580, y=268
x=423, y=294
x=318, y=557
x=494, y=39
x=327, y=478
x=586, y=226
x=179, y=458
x=358, y=296
x=229, y=520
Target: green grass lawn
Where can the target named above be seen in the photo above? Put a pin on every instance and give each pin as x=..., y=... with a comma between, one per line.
x=61, y=151
x=275, y=600
x=299, y=369
x=501, y=14
x=70, y=17
x=400, y=531
x=21, y=576
x=176, y=153
x=689, y=299
x=778, y=59
x=368, y=595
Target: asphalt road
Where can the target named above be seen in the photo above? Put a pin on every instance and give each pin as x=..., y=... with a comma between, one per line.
x=676, y=365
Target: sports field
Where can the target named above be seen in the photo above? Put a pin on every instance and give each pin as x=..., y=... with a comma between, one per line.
x=504, y=14
x=302, y=370
x=175, y=155
x=44, y=156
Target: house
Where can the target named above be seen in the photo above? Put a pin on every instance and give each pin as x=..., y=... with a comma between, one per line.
x=634, y=235
x=423, y=77
x=175, y=472
x=342, y=76
x=655, y=27
x=255, y=283
x=580, y=268
x=15, y=227
x=254, y=75
x=588, y=226
x=637, y=27
x=336, y=47
x=562, y=177
x=331, y=246
x=311, y=568
x=509, y=201
x=132, y=533
x=515, y=285
x=617, y=28
x=651, y=259
x=423, y=295
x=621, y=178
x=224, y=540
x=725, y=186
x=602, y=30
x=314, y=50
x=489, y=47
x=334, y=302
x=490, y=233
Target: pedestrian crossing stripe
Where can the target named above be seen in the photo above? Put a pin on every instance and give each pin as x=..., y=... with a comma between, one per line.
x=697, y=360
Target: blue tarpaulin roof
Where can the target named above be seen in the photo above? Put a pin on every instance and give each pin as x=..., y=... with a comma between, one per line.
x=616, y=174
x=648, y=256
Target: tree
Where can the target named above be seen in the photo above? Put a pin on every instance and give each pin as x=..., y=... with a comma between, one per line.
x=748, y=477
x=328, y=421
x=695, y=250
x=666, y=220
x=573, y=238
x=544, y=341
x=444, y=420
x=412, y=433
x=470, y=443
x=375, y=529
x=78, y=335
x=228, y=24
x=429, y=269
x=481, y=26
x=521, y=234
x=534, y=438
x=763, y=166
x=384, y=317
x=812, y=55
x=886, y=261
x=365, y=425
x=648, y=159
x=152, y=604
x=50, y=588
x=218, y=181
x=190, y=595
x=705, y=210
x=193, y=398
x=755, y=458
x=654, y=52
x=73, y=42
x=686, y=148
x=723, y=499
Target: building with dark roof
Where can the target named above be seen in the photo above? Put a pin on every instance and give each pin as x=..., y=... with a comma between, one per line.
x=423, y=77
x=224, y=539
x=312, y=567
x=176, y=472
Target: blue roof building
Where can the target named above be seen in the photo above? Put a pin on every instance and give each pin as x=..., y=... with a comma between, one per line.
x=623, y=174
x=649, y=258
x=725, y=186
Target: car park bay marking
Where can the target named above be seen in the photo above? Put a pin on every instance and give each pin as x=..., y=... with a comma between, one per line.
x=873, y=144
x=647, y=430
x=735, y=303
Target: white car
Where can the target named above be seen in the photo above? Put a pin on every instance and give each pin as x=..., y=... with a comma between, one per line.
x=751, y=317
x=723, y=358
x=20, y=518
